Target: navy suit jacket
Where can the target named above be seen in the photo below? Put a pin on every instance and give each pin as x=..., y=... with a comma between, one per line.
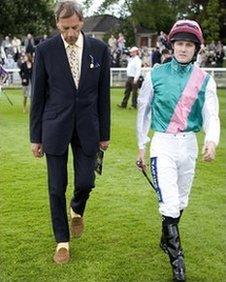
x=58, y=108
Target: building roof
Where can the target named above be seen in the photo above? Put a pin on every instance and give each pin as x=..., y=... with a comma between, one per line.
x=141, y=29
x=101, y=23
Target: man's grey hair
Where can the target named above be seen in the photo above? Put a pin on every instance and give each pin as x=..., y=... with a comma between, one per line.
x=66, y=9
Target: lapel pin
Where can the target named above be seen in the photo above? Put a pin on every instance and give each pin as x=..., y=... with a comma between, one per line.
x=91, y=62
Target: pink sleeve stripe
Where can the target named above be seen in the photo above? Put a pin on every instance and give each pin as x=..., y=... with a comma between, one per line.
x=179, y=119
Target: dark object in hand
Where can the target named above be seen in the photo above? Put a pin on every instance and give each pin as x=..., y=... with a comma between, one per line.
x=25, y=82
x=99, y=162
x=140, y=81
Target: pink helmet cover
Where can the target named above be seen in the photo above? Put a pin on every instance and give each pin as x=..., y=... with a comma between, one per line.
x=187, y=26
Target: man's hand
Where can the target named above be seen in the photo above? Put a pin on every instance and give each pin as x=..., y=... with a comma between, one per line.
x=141, y=160
x=208, y=151
x=37, y=150
x=104, y=145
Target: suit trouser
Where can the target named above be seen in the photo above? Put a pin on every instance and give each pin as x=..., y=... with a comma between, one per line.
x=173, y=160
x=130, y=87
x=84, y=181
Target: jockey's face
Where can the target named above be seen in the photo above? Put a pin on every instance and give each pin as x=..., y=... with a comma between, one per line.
x=184, y=51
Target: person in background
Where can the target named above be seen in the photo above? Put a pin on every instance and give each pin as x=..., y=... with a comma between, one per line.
x=44, y=37
x=7, y=45
x=29, y=44
x=10, y=65
x=121, y=42
x=220, y=54
x=70, y=106
x=201, y=57
x=112, y=43
x=133, y=73
x=26, y=75
x=177, y=99
x=3, y=77
x=156, y=56
x=16, y=44
x=166, y=56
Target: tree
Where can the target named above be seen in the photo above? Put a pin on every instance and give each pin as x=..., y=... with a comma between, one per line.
x=158, y=15
x=24, y=16
x=211, y=23
x=154, y=15
x=151, y=14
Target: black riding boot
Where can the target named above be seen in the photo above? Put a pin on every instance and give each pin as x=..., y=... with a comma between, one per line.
x=162, y=240
x=172, y=247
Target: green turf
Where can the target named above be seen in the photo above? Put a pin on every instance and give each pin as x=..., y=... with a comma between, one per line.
x=121, y=239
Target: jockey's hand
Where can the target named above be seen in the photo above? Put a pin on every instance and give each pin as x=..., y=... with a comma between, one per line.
x=141, y=165
x=208, y=151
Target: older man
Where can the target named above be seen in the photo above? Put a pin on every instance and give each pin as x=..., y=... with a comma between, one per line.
x=70, y=105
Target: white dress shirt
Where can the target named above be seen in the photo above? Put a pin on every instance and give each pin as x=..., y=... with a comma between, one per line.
x=134, y=67
x=78, y=44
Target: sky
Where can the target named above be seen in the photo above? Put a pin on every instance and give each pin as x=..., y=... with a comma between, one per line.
x=96, y=4
x=93, y=8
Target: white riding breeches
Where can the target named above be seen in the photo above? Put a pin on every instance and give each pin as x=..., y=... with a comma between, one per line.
x=173, y=159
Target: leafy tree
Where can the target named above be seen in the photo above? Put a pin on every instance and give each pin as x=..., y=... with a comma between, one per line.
x=24, y=16
x=211, y=23
x=154, y=15
x=151, y=14
x=158, y=15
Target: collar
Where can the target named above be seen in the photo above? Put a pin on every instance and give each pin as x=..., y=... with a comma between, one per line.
x=181, y=67
x=78, y=43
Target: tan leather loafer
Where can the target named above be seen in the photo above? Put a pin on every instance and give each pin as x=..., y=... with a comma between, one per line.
x=61, y=256
x=77, y=226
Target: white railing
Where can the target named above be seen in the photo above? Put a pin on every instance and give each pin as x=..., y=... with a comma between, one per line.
x=118, y=76
x=14, y=77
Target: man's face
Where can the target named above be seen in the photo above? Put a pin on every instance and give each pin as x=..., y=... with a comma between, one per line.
x=133, y=53
x=70, y=28
x=184, y=51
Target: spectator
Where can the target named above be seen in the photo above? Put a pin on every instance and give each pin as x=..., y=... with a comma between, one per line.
x=145, y=56
x=16, y=45
x=121, y=42
x=166, y=56
x=219, y=54
x=26, y=74
x=201, y=57
x=7, y=46
x=29, y=44
x=9, y=62
x=3, y=55
x=212, y=46
x=133, y=74
x=162, y=41
x=3, y=76
x=45, y=36
x=156, y=57
x=112, y=42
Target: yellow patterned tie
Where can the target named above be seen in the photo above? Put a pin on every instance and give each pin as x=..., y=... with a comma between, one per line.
x=73, y=58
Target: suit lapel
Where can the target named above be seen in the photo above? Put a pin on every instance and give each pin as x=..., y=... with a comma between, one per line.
x=63, y=61
x=85, y=61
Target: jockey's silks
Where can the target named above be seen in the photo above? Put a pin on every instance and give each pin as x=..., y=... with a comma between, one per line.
x=183, y=87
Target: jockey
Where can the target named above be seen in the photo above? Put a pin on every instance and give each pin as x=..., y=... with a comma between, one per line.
x=177, y=99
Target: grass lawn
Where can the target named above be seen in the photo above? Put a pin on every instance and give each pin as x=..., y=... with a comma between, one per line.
x=123, y=226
